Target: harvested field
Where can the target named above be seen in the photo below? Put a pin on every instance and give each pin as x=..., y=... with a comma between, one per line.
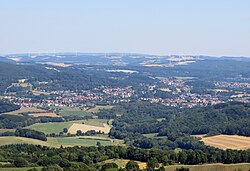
x=7, y=130
x=228, y=142
x=37, y=93
x=84, y=128
x=212, y=167
x=44, y=114
x=26, y=110
x=122, y=70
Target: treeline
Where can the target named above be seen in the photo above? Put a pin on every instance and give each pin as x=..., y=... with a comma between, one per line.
x=92, y=158
x=174, y=126
x=30, y=134
x=6, y=106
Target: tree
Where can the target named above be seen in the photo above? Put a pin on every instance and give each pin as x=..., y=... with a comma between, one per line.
x=78, y=132
x=153, y=163
x=20, y=162
x=65, y=130
x=108, y=166
x=132, y=166
x=98, y=144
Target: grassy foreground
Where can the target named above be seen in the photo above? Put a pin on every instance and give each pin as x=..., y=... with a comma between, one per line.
x=57, y=142
x=212, y=167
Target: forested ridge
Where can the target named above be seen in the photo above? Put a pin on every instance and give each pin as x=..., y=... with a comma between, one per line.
x=174, y=126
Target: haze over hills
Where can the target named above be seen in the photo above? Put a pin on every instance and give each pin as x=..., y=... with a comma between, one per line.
x=121, y=59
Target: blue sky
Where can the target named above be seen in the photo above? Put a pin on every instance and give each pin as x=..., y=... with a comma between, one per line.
x=208, y=27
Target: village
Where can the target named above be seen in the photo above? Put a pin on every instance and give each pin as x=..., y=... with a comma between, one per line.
x=173, y=92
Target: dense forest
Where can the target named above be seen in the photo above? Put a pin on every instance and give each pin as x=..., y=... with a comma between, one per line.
x=174, y=126
x=91, y=158
x=6, y=106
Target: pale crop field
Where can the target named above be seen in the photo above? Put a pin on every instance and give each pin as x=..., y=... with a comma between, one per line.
x=212, y=167
x=44, y=114
x=228, y=142
x=84, y=128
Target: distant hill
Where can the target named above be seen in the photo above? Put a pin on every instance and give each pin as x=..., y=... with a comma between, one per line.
x=3, y=59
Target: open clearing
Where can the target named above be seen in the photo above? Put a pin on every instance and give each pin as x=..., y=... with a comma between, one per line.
x=71, y=111
x=122, y=163
x=58, y=141
x=7, y=130
x=165, y=89
x=228, y=142
x=26, y=110
x=83, y=127
x=98, y=108
x=52, y=127
x=56, y=127
x=122, y=70
x=44, y=114
x=212, y=167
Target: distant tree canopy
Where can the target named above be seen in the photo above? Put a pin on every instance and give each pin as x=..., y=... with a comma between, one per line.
x=175, y=126
x=94, y=158
x=6, y=106
x=30, y=134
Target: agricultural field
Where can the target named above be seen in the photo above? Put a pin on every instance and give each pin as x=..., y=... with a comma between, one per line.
x=58, y=141
x=122, y=163
x=228, y=142
x=26, y=110
x=212, y=167
x=7, y=130
x=56, y=127
x=98, y=108
x=123, y=70
x=52, y=127
x=37, y=93
x=73, y=111
x=84, y=128
x=44, y=114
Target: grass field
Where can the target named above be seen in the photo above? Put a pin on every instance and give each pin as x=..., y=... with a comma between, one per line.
x=228, y=142
x=57, y=127
x=19, y=169
x=73, y=111
x=212, y=167
x=98, y=108
x=25, y=109
x=49, y=128
x=7, y=130
x=58, y=141
x=152, y=135
x=49, y=114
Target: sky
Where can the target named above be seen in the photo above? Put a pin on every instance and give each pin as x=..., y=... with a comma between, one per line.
x=163, y=27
